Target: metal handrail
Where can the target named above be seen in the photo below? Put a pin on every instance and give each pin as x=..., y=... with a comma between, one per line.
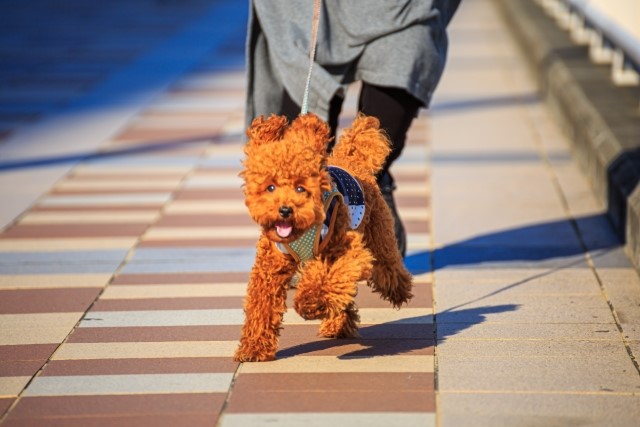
x=608, y=41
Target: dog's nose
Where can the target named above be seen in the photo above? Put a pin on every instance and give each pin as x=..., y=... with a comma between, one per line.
x=285, y=211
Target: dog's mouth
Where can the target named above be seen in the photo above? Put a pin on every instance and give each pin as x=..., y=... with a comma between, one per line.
x=283, y=229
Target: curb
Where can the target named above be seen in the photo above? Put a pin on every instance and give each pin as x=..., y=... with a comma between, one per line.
x=601, y=120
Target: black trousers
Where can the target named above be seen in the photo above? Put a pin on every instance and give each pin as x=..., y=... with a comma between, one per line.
x=394, y=107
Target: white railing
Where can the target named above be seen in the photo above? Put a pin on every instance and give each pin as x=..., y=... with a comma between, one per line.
x=609, y=41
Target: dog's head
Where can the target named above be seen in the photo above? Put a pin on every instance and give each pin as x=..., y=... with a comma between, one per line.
x=285, y=174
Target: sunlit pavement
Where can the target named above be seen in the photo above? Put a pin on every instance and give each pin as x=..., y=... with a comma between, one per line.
x=127, y=246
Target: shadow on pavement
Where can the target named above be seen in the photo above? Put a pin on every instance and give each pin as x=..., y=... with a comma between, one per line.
x=545, y=243
x=399, y=337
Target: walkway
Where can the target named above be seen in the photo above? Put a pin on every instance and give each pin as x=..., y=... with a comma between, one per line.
x=127, y=247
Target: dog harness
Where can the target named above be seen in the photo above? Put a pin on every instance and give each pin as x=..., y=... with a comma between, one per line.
x=346, y=189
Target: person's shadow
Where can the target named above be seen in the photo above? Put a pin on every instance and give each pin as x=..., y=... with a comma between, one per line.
x=549, y=244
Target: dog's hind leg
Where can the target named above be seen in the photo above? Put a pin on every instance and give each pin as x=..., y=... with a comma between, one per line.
x=389, y=278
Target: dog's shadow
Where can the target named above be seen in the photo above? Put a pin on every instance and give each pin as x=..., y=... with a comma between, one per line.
x=411, y=335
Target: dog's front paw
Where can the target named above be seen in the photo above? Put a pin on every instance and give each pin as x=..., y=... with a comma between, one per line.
x=247, y=354
x=309, y=305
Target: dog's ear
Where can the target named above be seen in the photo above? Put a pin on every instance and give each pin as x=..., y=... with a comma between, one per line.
x=313, y=129
x=266, y=130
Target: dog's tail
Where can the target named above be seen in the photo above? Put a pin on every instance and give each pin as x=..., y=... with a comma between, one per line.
x=362, y=149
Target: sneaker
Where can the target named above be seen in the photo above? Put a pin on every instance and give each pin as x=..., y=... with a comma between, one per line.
x=387, y=187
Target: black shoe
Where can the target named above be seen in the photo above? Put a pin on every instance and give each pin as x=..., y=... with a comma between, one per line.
x=387, y=187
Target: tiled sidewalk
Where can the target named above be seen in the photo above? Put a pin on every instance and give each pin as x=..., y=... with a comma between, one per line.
x=121, y=289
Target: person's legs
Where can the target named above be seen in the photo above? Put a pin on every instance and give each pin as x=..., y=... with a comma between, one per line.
x=396, y=109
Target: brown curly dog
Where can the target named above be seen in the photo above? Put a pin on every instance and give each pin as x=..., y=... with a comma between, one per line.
x=324, y=227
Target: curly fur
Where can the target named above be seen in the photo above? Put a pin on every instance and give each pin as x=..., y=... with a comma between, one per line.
x=285, y=165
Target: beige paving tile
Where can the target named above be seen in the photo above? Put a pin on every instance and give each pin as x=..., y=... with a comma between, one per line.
x=315, y=364
x=523, y=309
x=36, y=328
x=532, y=331
x=55, y=244
x=322, y=419
x=164, y=233
x=475, y=282
x=210, y=207
x=219, y=180
x=539, y=348
x=39, y=320
x=128, y=184
x=34, y=335
x=145, y=350
x=413, y=189
x=418, y=241
x=414, y=214
x=538, y=374
x=531, y=409
x=12, y=386
x=174, y=291
x=35, y=281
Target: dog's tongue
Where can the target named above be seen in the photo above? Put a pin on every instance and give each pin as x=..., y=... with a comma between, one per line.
x=283, y=229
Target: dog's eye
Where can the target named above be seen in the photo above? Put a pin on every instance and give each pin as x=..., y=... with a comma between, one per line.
x=271, y=188
x=300, y=189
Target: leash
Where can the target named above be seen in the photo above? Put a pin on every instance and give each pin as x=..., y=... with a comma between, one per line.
x=312, y=54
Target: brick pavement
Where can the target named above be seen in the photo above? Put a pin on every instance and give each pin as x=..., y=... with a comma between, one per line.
x=121, y=287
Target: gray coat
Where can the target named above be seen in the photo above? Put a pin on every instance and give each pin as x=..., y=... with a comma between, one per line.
x=396, y=43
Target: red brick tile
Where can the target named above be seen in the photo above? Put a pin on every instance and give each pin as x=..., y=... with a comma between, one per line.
x=21, y=368
x=5, y=404
x=309, y=332
x=140, y=366
x=331, y=401
x=366, y=298
x=200, y=243
x=10, y=353
x=200, y=303
x=292, y=347
x=153, y=136
x=156, y=334
x=416, y=226
x=344, y=382
x=68, y=408
x=211, y=194
x=410, y=202
x=407, y=175
x=125, y=177
x=126, y=420
x=146, y=208
x=55, y=231
x=47, y=300
x=123, y=189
